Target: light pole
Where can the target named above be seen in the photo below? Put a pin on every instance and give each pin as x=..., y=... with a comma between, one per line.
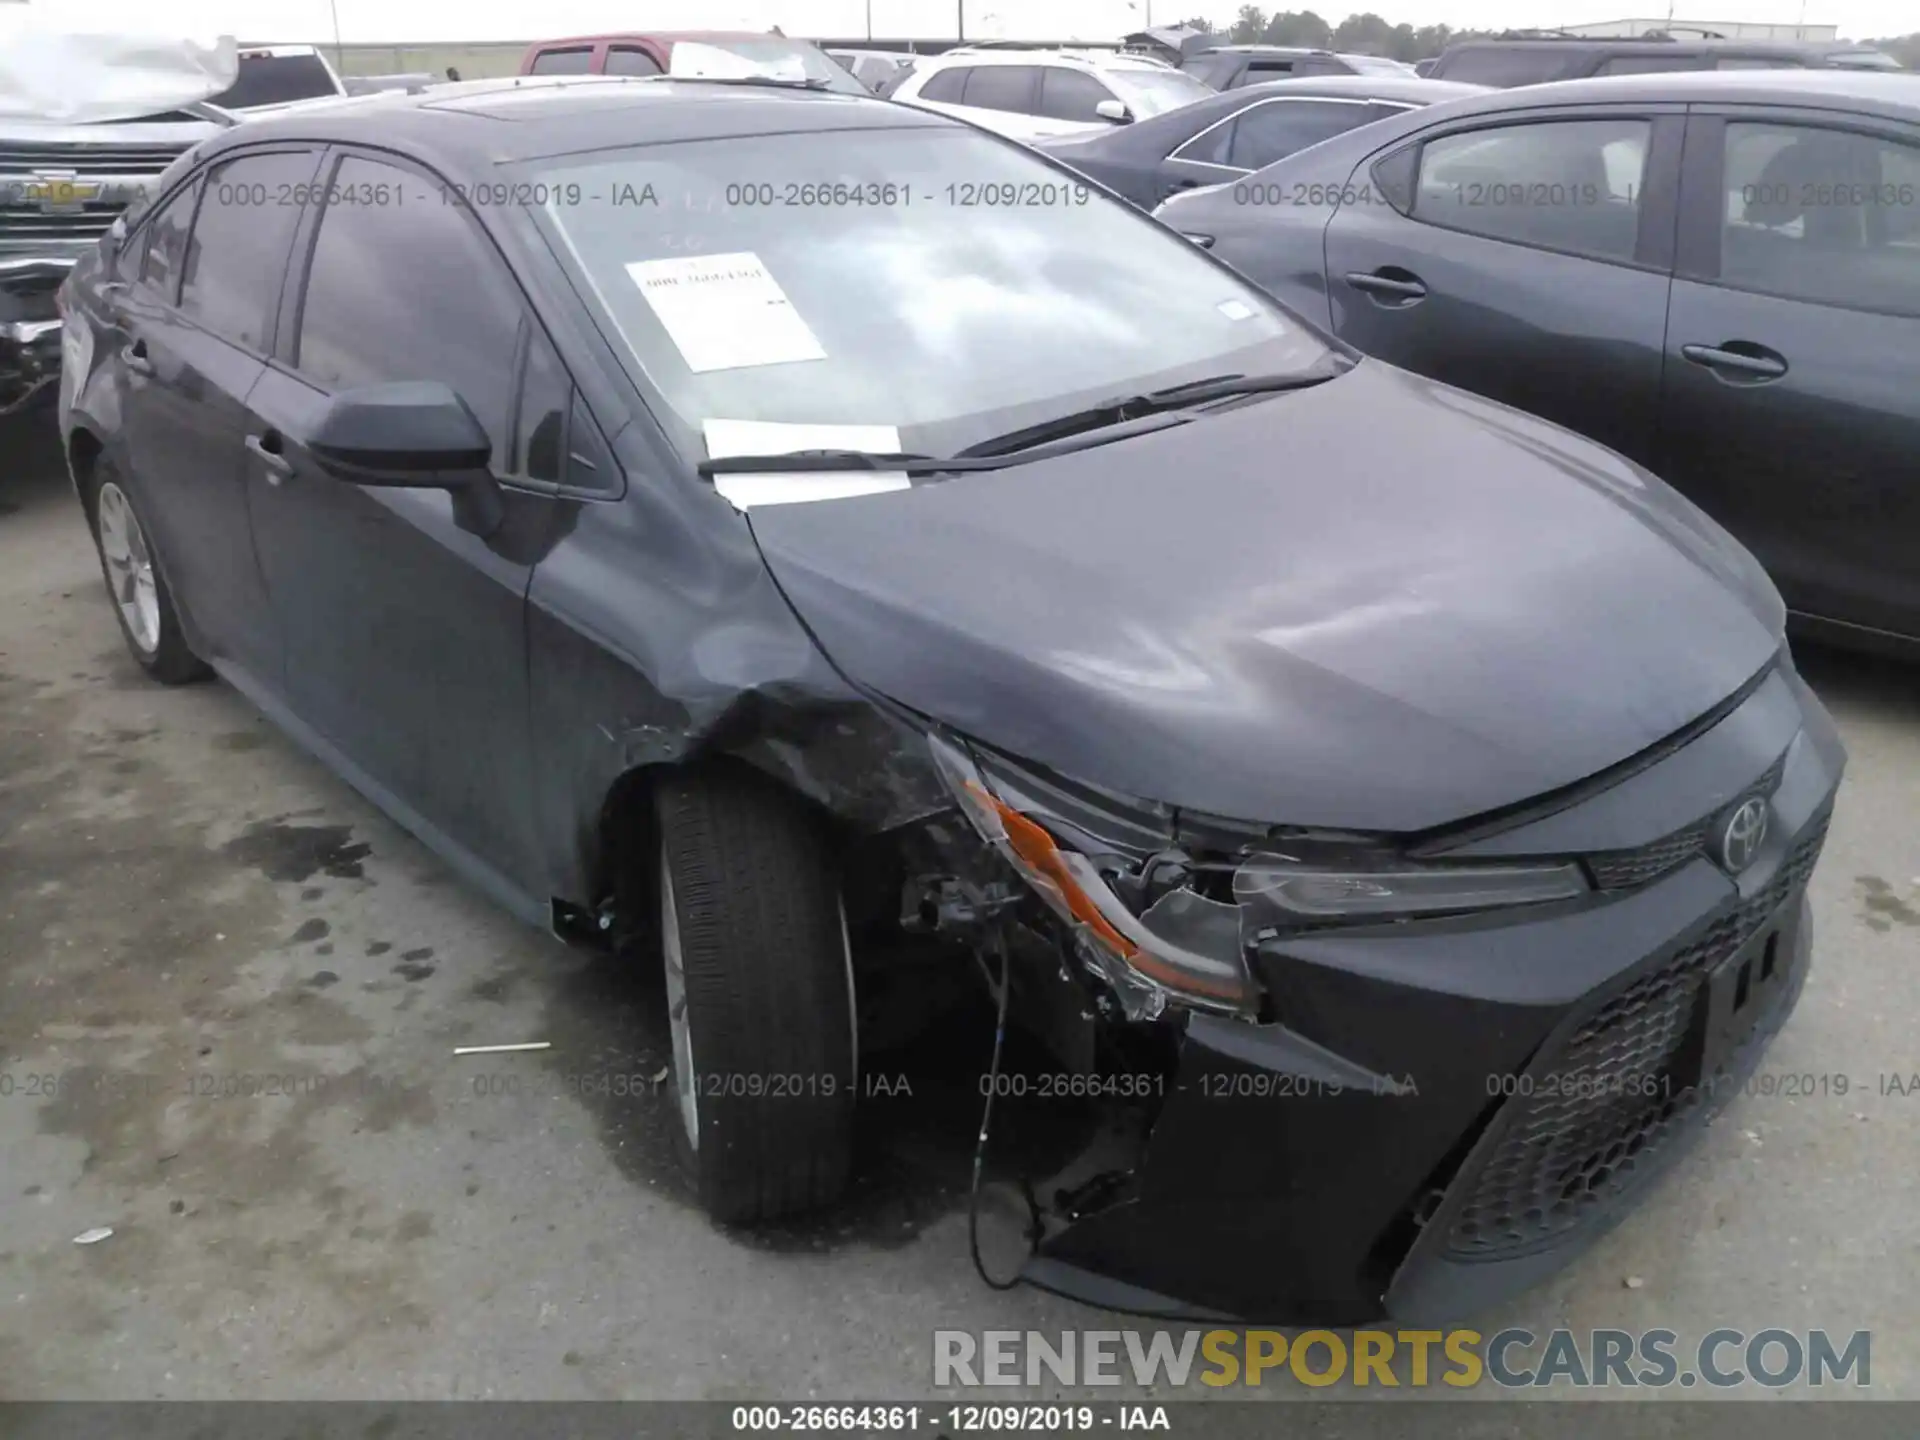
x=339, y=51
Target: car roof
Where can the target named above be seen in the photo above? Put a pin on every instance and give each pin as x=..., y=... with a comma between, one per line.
x=672, y=36
x=1092, y=60
x=1650, y=44
x=1892, y=93
x=479, y=123
x=1259, y=50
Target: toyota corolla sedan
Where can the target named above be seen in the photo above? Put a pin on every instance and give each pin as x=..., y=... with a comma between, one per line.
x=778, y=537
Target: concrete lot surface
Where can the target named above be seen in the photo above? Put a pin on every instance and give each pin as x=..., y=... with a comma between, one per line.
x=192, y=912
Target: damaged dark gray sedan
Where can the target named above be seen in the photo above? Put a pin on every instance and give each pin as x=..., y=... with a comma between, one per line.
x=780, y=533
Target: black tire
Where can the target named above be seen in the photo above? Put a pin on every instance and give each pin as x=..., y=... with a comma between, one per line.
x=750, y=887
x=168, y=658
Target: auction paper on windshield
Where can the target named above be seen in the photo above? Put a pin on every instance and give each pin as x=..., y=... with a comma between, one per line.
x=725, y=312
x=727, y=438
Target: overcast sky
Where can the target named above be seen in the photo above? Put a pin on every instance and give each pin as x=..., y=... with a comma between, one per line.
x=402, y=21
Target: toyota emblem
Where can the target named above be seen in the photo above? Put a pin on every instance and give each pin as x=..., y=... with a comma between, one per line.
x=1744, y=833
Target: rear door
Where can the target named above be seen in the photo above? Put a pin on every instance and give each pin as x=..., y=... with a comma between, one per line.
x=1528, y=260
x=1791, y=410
x=198, y=327
x=405, y=630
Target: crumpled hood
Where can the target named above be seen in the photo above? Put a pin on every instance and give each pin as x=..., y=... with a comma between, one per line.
x=1380, y=604
x=55, y=73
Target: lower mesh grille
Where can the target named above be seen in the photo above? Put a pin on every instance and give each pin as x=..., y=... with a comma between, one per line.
x=1586, y=1119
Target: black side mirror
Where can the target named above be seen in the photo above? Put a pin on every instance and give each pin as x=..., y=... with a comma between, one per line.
x=416, y=435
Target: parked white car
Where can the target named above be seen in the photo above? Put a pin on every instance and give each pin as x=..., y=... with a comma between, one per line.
x=1035, y=94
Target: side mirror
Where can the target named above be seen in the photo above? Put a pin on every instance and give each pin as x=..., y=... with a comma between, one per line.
x=418, y=435
x=1113, y=110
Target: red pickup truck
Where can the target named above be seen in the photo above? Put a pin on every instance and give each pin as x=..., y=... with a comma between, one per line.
x=726, y=53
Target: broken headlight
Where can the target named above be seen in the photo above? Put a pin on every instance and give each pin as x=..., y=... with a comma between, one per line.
x=1187, y=948
x=1184, y=947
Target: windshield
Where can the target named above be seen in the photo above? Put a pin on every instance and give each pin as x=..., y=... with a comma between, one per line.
x=275, y=80
x=1154, y=92
x=936, y=281
x=769, y=55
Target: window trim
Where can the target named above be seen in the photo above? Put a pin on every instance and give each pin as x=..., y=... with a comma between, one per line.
x=1659, y=193
x=1234, y=117
x=1702, y=199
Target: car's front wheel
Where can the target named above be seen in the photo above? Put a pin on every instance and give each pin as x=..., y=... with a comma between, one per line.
x=141, y=601
x=759, y=983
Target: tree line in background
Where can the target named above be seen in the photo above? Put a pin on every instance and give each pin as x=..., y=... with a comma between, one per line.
x=1369, y=34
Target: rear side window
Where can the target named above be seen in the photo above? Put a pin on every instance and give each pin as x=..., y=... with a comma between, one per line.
x=167, y=243
x=947, y=87
x=563, y=62
x=1070, y=95
x=1759, y=62
x=1650, y=64
x=1505, y=68
x=237, y=256
x=631, y=60
x=406, y=292
x=1571, y=185
x=1273, y=131
x=1003, y=87
x=1829, y=216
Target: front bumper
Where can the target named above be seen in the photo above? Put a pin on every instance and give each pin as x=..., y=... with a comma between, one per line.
x=29, y=326
x=1450, y=1111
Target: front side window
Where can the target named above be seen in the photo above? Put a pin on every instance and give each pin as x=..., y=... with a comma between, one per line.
x=1003, y=87
x=408, y=290
x=1154, y=92
x=972, y=289
x=1071, y=94
x=1570, y=185
x=264, y=78
x=1831, y=216
x=237, y=256
x=631, y=60
x=563, y=62
x=167, y=243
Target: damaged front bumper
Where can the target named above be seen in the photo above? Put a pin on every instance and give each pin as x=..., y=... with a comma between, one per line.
x=1429, y=1116
x=29, y=327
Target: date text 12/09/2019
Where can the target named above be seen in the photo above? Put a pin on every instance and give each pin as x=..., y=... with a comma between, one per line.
x=851, y=1419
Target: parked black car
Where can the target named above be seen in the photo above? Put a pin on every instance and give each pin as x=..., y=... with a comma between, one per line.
x=1241, y=131
x=1227, y=67
x=1717, y=275
x=1535, y=61
x=786, y=594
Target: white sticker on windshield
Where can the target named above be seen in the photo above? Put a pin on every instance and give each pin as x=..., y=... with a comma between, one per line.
x=725, y=312
x=767, y=437
x=1235, y=309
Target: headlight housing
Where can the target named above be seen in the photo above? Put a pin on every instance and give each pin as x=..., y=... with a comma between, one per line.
x=1188, y=949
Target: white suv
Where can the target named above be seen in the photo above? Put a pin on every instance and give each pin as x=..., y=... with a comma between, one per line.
x=1035, y=94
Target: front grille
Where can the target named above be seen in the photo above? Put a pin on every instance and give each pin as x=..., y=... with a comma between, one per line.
x=1611, y=1098
x=18, y=160
x=1625, y=869
x=30, y=222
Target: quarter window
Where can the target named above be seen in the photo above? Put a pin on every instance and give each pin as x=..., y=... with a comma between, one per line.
x=1571, y=185
x=238, y=254
x=1831, y=216
x=409, y=292
x=947, y=87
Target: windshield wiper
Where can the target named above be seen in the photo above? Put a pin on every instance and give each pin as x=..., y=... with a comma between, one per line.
x=808, y=462
x=1154, y=402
